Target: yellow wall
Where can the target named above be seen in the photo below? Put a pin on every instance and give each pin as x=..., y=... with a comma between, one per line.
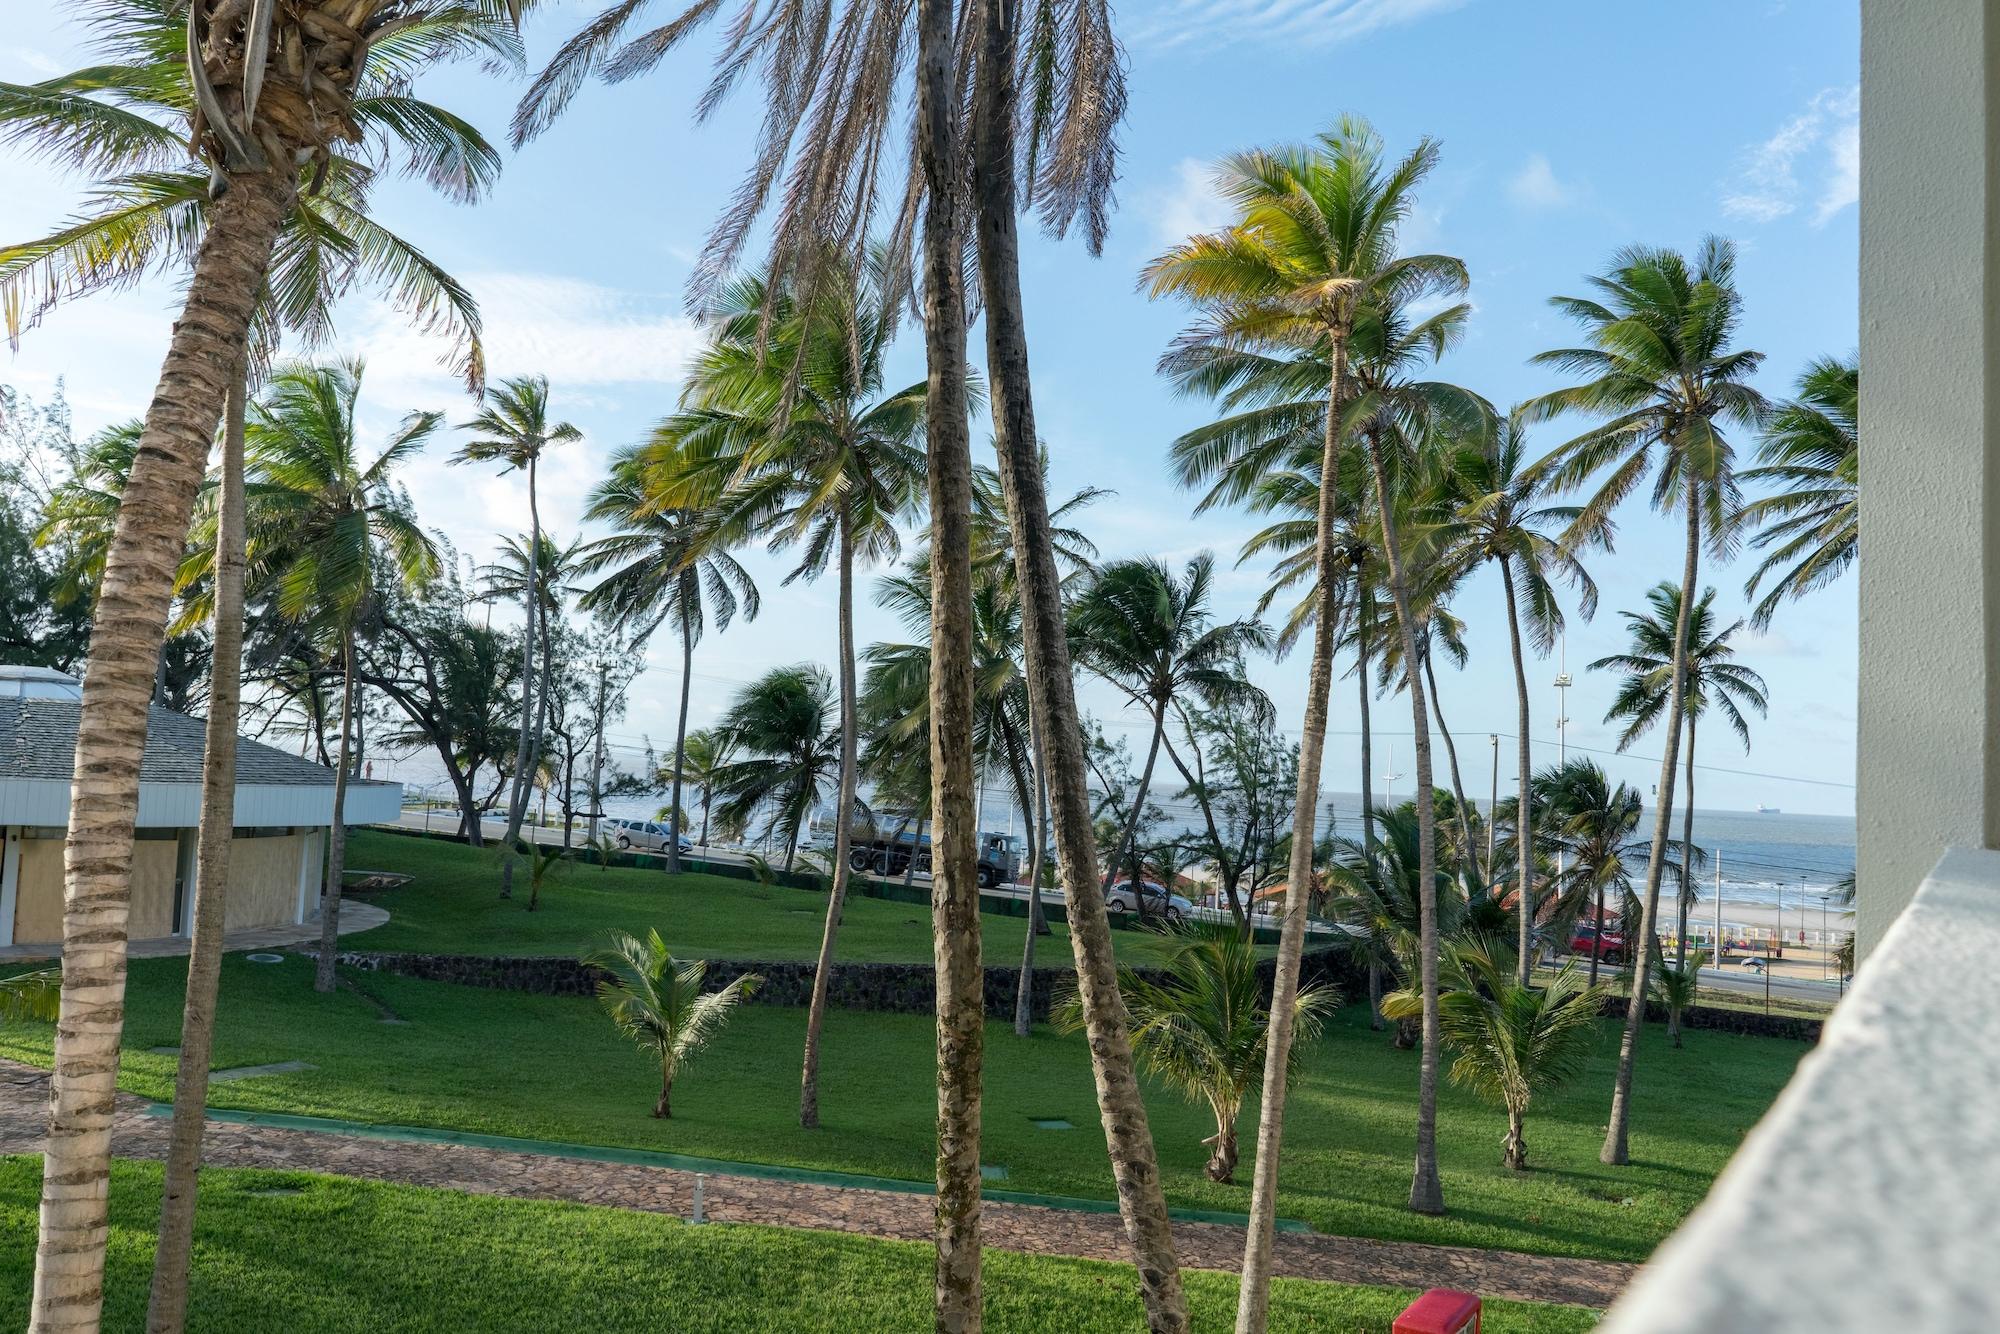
x=38, y=895
x=154, y=862
x=263, y=881
x=38, y=902
x=263, y=886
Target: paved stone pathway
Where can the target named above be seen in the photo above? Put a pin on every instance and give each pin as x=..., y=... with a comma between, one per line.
x=738, y=1199
x=354, y=916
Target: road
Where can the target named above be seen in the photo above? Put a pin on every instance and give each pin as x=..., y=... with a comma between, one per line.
x=447, y=821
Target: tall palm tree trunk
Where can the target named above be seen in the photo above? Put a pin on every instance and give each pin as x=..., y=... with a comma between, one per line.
x=1038, y=830
x=336, y=835
x=1687, y=859
x=1426, y=1191
x=1364, y=610
x=1596, y=946
x=1051, y=684
x=1616, y=1150
x=1128, y=842
x=1253, y=1302
x=517, y=797
x=1451, y=762
x=680, y=746
x=167, y=1311
x=1524, y=815
x=127, y=630
x=961, y=992
x=843, y=826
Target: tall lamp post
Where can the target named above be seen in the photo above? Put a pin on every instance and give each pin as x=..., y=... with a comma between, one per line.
x=1493, y=804
x=1562, y=732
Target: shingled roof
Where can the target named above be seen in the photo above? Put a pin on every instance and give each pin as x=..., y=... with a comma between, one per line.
x=38, y=740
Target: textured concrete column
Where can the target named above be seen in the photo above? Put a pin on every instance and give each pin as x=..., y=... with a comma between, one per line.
x=1930, y=419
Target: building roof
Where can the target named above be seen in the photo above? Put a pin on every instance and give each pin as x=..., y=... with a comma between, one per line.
x=38, y=740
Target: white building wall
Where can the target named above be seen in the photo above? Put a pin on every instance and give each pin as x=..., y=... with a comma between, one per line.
x=1929, y=771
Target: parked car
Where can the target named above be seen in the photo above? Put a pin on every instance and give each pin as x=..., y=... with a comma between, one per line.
x=646, y=835
x=1606, y=945
x=1159, y=902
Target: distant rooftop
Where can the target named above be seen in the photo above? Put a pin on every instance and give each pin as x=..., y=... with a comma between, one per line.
x=37, y=683
x=39, y=709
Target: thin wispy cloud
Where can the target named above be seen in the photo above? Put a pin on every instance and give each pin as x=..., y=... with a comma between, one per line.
x=1821, y=143
x=1536, y=186
x=1291, y=22
x=1183, y=206
x=575, y=332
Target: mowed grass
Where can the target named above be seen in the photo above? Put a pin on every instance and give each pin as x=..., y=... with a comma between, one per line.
x=453, y=907
x=553, y=1068
x=288, y=1251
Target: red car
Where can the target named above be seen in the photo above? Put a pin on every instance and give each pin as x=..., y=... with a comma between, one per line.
x=1606, y=945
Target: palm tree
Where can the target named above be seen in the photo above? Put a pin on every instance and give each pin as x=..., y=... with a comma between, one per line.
x=659, y=1002
x=788, y=435
x=35, y=995
x=705, y=753
x=328, y=531
x=1590, y=823
x=1662, y=376
x=830, y=79
x=664, y=568
x=785, y=725
x=1711, y=677
x=1313, y=256
x=513, y=429
x=1811, y=455
x=1512, y=1040
x=997, y=558
x=1202, y=1028
x=1070, y=60
x=1502, y=516
x=1154, y=638
x=258, y=130
x=1376, y=890
x=1679, y=985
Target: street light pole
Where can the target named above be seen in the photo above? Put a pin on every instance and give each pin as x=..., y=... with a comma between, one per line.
x=1562, y=732
x=1493, y=804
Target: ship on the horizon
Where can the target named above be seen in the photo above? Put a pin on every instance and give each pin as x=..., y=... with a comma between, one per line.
x=1762, y=809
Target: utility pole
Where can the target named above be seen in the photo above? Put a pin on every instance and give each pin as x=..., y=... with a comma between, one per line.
x=1562, y=733
x=1391, y=777
x=1493, y=805
x=1718, y=906
x=597, y=756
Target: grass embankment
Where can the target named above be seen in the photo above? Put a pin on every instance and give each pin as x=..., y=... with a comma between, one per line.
x=290, y=1251
x=452, y=907
x=553, y=1068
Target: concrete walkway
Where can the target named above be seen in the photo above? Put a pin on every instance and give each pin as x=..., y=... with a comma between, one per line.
x=877, y=1213
x=354, y=916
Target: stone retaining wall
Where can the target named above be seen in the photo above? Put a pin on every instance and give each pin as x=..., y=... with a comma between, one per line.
x=897, y=988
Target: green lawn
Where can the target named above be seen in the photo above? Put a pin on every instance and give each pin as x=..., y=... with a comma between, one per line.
x=453, y=907
x=291, y=1251
x=547, y=1067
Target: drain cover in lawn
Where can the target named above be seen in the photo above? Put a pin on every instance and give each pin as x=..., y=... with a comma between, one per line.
x=992, y=1172
x=252, y=1071
x=1051, y=1123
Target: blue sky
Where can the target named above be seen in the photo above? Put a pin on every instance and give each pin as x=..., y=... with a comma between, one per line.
x=1569, y=128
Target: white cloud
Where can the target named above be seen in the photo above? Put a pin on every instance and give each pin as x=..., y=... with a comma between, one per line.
x=1536, y=185
x=1767, y=186
x=1843, y=182
x=1292, y=22
x=575, y=332
x=1190, y=204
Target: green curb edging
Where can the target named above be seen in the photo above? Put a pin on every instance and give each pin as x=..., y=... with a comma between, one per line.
x=683, y=1162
